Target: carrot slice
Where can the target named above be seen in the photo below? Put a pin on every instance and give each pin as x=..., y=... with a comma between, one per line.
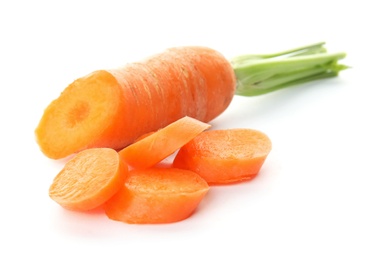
x=144, y=136
x=156, y=146
x=225, y=156
x=89, y=179
x=157, y=195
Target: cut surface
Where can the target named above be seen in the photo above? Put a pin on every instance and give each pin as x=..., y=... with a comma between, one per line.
x=79, y=116
x=89, y=179
x=225, y=156
x=157, y=195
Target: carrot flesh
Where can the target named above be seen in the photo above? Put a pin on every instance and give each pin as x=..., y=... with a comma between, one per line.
x=112, y=108
x=155, y=147
x=85, y=111
x=157, y=195
x=144, y=136
x=89, y=179
x=225, y=156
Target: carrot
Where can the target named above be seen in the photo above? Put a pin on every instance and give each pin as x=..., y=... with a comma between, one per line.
x=112, y=108
x=144, y=136
x=157, y=195
x=225, y=156
x=89, y=179
x=157, y=146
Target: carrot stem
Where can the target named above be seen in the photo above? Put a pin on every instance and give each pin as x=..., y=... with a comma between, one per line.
x=259, y=74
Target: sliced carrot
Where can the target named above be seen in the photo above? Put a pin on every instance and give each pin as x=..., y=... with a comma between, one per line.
x=112, y=108
x=89, y=179
x=156, y=146
x=144, y=136
x=157, y=195
x=225, y=156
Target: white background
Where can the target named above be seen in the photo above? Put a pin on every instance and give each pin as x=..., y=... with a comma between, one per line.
x=316, y=196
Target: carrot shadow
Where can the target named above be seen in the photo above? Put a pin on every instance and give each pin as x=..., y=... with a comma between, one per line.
x=271, y=104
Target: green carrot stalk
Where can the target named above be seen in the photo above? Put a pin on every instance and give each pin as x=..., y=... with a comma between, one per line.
x=259, y=74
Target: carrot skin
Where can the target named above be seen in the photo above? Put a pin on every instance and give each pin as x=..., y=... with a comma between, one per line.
x=112, y=108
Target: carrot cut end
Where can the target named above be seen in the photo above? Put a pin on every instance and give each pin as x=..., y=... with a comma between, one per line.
x=80, y=116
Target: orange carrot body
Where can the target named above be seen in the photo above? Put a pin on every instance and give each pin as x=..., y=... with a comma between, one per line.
x=157, y=146
x=89, y=179
x=225, y=156
x=112, y=108
x=157, y=195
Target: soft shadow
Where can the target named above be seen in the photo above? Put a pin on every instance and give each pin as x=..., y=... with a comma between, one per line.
x=269, y=105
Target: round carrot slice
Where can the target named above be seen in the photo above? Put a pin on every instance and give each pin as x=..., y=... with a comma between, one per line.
x=89, y=179
x=225, y=156
x=157, y=195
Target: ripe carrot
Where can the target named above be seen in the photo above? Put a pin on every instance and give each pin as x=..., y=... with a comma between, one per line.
x=112, y=108
x=157, y=195
x=89, y=179
x=225, y=156
x=157, y=146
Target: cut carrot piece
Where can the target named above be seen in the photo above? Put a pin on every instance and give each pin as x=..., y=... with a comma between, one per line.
x=112, y=108
x=225, y=156
x=144, y=136
x=156, y=146
x=157, y=195
x=89, y=179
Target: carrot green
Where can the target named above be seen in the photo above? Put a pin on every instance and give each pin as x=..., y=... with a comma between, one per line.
x=259, y=74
